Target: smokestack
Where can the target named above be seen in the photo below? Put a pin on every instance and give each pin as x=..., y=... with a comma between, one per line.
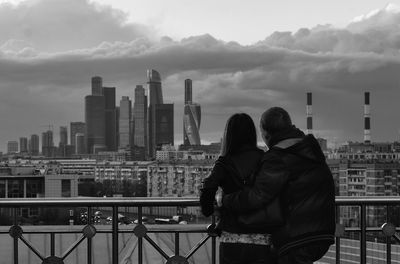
x=367, y=119
x=309, y=114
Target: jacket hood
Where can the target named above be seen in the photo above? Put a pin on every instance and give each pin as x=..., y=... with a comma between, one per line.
x=308, y=148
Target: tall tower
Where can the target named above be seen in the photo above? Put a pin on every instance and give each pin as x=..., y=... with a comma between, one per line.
x=95, y=117
x=367, y=119
x=97, y=85
x=309, y=114
x=47, y=144
x=63, y=135
x=34, y=145
x=191, y=118
x=188, y=91
x=110, y=118
x=155, y=98
x=140, y=120
x=23, y=145
x=125, y=113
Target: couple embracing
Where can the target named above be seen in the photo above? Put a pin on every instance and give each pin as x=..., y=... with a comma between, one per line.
x=293, y=172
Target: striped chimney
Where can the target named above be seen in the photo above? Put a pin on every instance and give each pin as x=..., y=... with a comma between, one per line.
x=367, y=119
x=309, y=114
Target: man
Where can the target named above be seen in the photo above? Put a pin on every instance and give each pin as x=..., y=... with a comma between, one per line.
x=294, y=167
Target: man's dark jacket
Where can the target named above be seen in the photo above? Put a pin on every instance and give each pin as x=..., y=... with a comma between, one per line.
x=298, y=172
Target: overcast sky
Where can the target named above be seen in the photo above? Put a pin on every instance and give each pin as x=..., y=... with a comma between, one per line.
x=241, y=58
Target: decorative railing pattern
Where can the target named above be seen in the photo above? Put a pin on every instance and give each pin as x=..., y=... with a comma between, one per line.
x=141, y=231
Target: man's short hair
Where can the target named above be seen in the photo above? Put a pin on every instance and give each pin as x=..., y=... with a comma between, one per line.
x=275, y=120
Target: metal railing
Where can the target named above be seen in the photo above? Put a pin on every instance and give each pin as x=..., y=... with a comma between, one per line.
x=140, y=230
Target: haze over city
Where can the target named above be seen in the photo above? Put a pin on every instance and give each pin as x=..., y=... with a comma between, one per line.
x=240, y=58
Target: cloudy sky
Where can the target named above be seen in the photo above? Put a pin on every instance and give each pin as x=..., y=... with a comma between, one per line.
x=241, y=58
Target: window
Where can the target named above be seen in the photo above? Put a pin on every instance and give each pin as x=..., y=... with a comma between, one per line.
x=65, y=188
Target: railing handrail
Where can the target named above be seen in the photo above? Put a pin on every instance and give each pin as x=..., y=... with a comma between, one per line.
x=167, y=201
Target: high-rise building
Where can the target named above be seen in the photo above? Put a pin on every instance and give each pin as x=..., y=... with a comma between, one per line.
x=48, y=144
x=95, y=118
x=12, y=147
x=79, y=143
x=164, y=125
x=97, y=85
x=62, y=146
x=23, y=145
x=110, y=118
x=188, y=91
x=63, y=135
x=125, y=115
x=160, y=130
x=140, y=121
x=34, y=145
x=191, y=118
x=76, y=127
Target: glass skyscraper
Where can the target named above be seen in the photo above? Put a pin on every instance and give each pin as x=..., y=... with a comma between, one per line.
x=191, y=118
x=140, y=121
x=125, y=113
x=95, y=117
x=110, y=118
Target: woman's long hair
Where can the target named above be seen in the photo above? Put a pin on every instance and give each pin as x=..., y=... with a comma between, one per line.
x=239, y=131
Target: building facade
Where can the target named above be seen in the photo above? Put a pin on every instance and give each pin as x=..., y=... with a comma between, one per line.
x=76, y=127
x=12, y=147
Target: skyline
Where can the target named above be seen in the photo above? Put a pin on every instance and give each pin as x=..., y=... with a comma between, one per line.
x=46, y=66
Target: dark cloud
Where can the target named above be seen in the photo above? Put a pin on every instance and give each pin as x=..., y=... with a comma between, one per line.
x=60, y=25
x=41, y=85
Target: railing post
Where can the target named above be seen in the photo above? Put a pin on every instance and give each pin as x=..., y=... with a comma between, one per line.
x=140, y=241
x=15, y=238
x=363, y=242
x=213, y=245
x=176, y=243
x=388, y=240
x=52, y=244
x=337, y=238
x=89, y=239
x=115, y=235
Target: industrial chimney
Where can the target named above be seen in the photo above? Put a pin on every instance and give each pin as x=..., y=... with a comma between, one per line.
x=309, y=114
x=367, y=119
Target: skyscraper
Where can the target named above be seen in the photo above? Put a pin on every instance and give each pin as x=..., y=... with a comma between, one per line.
x=48, y=144
x=125, y=115
x=110, y=118
x=34, y=145
x=23, y=145
x=140, y=127
x=62, y=147
x=76, y=127
x=97, y=85
x=164, y=125
x=188, y=91
x=191, y=118
x=160, y=116
x=80, y=143
x=63, y=135
x=95, y=118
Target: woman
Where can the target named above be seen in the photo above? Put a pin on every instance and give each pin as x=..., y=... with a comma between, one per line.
x=238, y=161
